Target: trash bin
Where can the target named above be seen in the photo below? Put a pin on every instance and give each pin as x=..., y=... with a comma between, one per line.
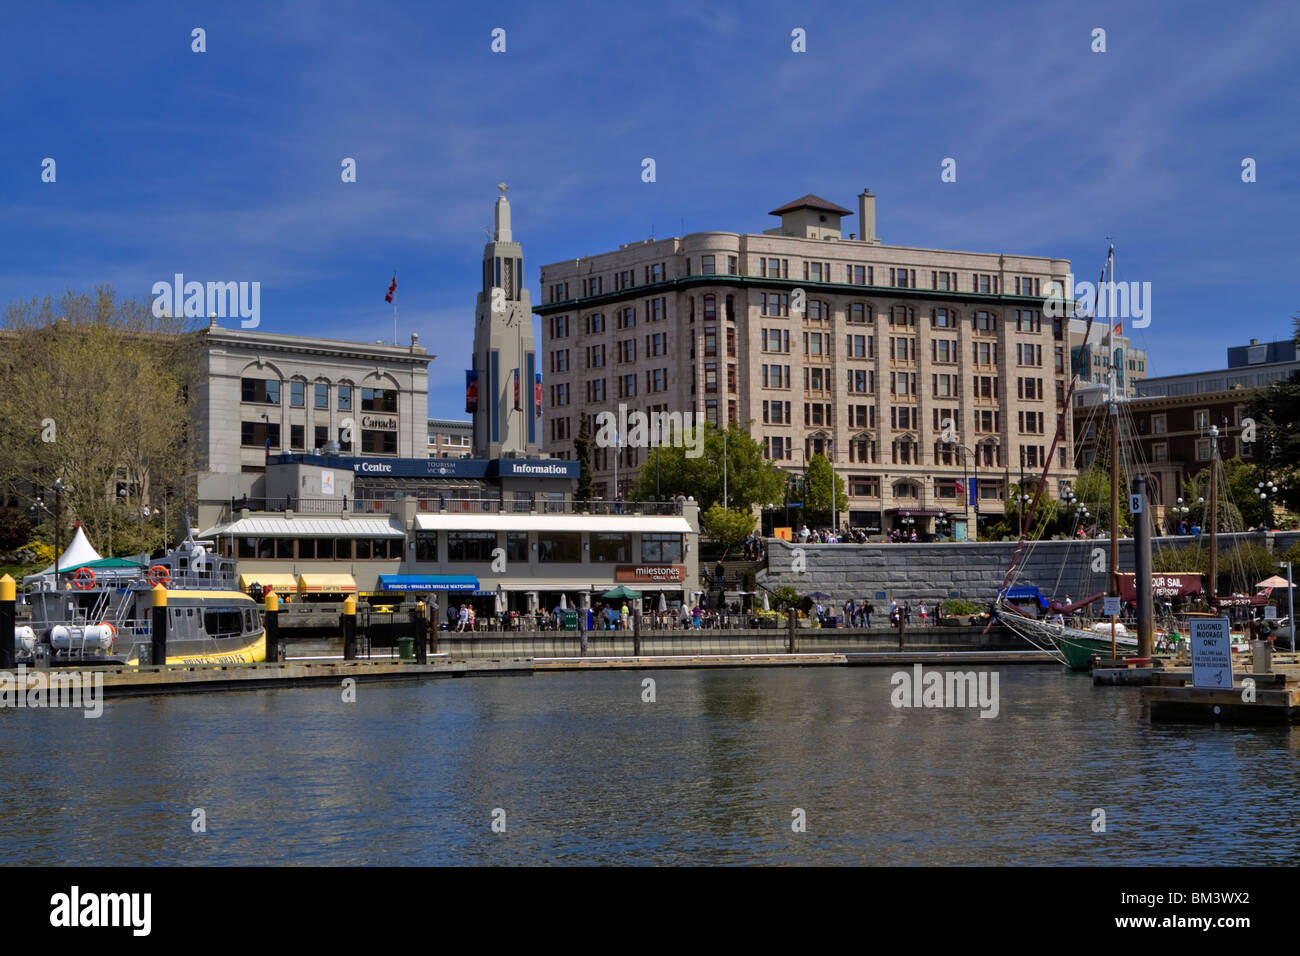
x=406, y=648
x=570, y=620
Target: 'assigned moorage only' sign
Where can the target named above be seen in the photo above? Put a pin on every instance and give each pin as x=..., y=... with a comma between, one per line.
x=1211, y=652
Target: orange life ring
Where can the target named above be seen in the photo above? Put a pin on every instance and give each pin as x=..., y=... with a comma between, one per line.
x=84, y=579
x=159, y=574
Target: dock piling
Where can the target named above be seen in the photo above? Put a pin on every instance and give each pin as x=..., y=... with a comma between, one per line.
x=8, y=614
x=419, y=632
x=272, y=614
x=158, y=652
x=348, y=623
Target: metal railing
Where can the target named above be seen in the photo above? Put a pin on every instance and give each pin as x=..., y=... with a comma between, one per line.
x=429, y=503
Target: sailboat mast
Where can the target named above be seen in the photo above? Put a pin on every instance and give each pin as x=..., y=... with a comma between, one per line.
x=1113, y=411
x=1214, y=513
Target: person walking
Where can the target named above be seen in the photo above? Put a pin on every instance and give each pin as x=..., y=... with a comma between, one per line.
x=471, y=617
x=867, y=611
x=923, y=613
x=626, y=616
x=850, y=611
x=463, y=618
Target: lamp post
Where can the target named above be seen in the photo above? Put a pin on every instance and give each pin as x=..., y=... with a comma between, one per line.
x=1022, y=502
x=58, y=527
x=1290, y=602
x=1266, y=490
x=970, y=499
x=1180, y=512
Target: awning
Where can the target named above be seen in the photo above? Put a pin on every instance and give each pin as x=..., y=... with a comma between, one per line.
x=267, y=526
x=276, y=582
x=441, y=521
x=428, y=582
x=326, y=584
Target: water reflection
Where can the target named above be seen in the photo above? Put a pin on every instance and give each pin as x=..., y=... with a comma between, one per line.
x=588, y=772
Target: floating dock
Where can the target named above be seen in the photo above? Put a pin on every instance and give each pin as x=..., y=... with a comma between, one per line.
x=181, y=679
x=1272, y=697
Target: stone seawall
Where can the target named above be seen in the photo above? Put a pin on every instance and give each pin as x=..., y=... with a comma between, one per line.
x=971, y=570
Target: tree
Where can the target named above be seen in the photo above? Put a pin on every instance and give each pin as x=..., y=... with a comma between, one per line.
x=582, y=452
x=817, y=488
x=15, y=528
x=97, y=392
x=750, y=479
x=727, y=527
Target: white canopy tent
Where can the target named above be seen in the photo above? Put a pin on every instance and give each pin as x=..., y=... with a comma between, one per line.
x=78, y=552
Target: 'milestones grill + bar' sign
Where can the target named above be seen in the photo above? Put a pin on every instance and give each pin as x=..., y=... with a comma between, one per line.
x=631, y=573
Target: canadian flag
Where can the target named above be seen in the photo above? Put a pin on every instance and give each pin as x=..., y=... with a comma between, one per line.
x=392, y=289
x=1119, y=328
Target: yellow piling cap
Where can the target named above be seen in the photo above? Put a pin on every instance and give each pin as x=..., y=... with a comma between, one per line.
x=7, y=590
x=350, y=604
x=159, y=596
x=272, y=601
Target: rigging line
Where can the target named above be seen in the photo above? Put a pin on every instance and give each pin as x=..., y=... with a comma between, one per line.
x=1060, y=421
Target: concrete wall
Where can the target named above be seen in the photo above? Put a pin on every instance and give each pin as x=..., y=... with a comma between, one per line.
x=971, y=570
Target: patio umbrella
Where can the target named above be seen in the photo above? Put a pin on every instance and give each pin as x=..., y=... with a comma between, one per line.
x=564, y=602
x=766, y=606
x=497, y=601
x=663, y=601
x=1276, y=581
x=621, y=592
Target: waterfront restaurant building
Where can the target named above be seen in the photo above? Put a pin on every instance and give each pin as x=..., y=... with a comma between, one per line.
x=887, y=344
x=502, y=534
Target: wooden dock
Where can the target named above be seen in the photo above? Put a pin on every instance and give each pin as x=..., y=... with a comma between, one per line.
x=181, y=679
x=687, y=661
x=1273, y=698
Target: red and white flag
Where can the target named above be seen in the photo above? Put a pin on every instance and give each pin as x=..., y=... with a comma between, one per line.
x=392, y=289
x=1119, y=328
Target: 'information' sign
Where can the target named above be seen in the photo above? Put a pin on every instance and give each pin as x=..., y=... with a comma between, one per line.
x=1211, y=652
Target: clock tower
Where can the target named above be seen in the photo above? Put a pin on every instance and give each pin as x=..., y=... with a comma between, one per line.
x=502, y=392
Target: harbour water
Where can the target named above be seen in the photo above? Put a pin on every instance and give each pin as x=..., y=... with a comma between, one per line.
x=587, y=771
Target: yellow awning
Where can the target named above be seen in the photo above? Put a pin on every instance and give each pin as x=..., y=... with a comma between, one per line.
x=280, y=583
x=326, y=584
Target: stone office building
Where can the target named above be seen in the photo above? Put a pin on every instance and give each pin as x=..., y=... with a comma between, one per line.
x=263, y=394
x=821, y=342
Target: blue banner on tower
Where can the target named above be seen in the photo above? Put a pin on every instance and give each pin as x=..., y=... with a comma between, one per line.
x=471, y=391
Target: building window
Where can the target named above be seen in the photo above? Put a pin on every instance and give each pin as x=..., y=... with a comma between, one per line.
x=259, y=391
x=471, y=545
x=378, y=443
x=255, y=434
x=379, y=400
x=661, y=548
x=1203, y=419
x=297, y=394
x=297, y=437
x=322, y=395
x=611, y=548
x=345, y=398
x=706, y=266
x=559, y=546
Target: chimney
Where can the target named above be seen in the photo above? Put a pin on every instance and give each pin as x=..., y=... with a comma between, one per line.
x=867, y=215
x=1254, y=341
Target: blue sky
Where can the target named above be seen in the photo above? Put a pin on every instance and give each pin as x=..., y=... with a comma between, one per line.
x=225, y=165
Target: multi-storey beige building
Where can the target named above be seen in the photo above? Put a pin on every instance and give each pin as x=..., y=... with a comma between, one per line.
x=1103, y=347
x=816, y=342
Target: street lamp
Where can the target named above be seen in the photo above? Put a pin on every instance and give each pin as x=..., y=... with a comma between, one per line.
x=1267, y=490
x=58, y=527
x=1290, y=602
x=1022, y=502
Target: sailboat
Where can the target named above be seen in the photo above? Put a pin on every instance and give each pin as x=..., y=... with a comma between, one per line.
x=1078, y=647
